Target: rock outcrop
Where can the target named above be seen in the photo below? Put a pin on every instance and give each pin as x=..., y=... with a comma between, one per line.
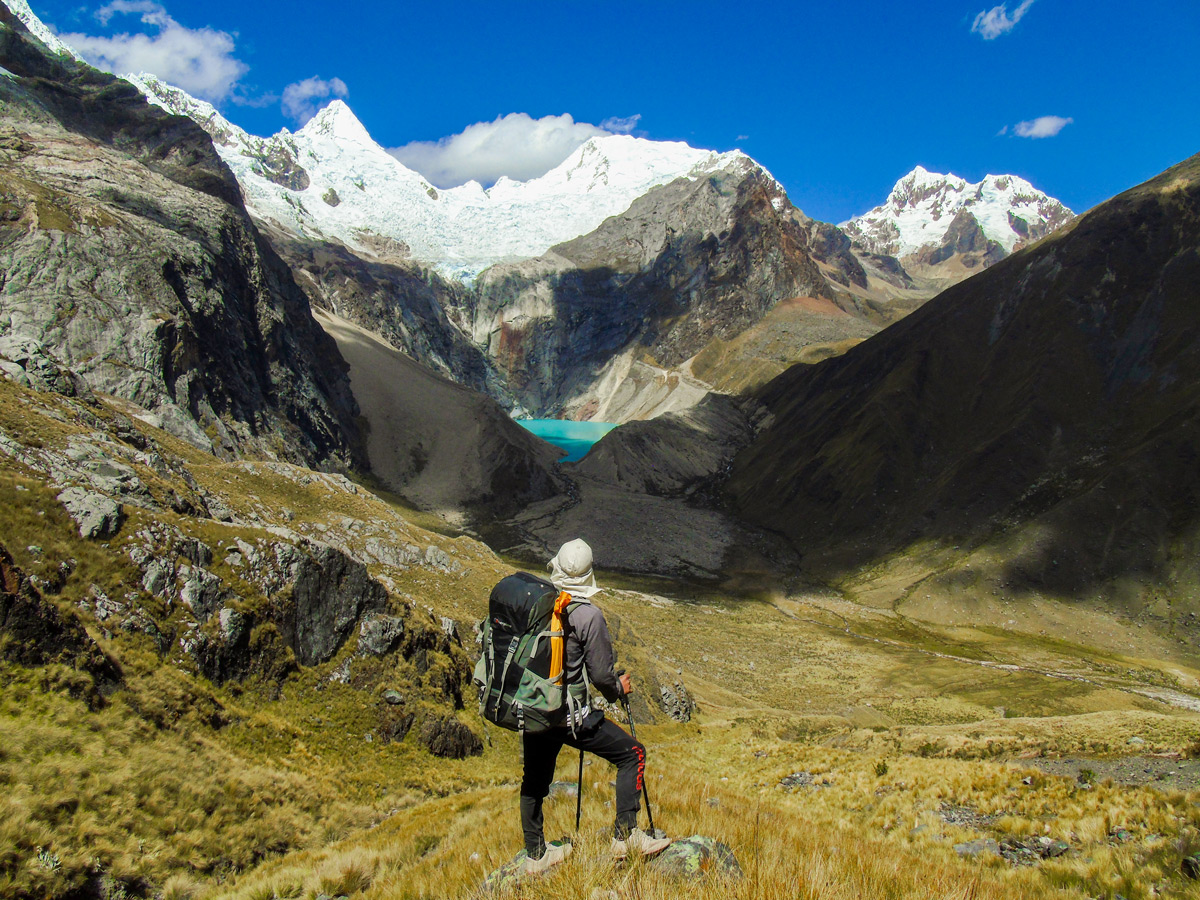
x=35, y=632
x=129, y=258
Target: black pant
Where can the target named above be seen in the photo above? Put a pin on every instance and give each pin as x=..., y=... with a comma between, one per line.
x=605, y=739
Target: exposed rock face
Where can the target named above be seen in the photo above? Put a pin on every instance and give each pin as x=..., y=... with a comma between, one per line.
x=402, y=303
x=330, y=593
x=98, y=516
x=688, y=262
x=449, y=738
x=27, y=362
x=1053, y=392
x=128, y=257
x=964, y=239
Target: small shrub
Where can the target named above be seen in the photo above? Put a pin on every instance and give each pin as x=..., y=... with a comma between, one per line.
x=881, y=768
x=1087, y=776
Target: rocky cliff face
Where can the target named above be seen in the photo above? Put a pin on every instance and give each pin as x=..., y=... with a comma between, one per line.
x=687, y=263
x=406, y=305
x=127, y=255
x=1050, y=399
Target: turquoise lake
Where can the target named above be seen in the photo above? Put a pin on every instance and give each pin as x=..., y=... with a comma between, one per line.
x=574, y=437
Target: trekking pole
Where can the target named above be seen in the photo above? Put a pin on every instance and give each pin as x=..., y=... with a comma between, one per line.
x=579, y=794
x=633, y=731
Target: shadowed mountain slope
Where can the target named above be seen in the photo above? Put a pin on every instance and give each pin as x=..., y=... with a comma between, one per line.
x=1059, y=391
x=441, y=445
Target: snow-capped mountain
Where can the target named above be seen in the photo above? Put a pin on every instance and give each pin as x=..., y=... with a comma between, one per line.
x=331, y=181
x=923, y=205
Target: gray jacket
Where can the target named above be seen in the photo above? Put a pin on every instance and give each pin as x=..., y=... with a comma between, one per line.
x=589, y=647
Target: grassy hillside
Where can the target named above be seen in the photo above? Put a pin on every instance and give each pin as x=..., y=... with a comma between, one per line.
x=839, y=749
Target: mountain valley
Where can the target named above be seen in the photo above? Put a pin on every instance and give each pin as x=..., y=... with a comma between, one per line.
x=897, y=570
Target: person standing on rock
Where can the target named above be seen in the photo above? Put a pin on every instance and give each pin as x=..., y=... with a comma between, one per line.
x=589, y=657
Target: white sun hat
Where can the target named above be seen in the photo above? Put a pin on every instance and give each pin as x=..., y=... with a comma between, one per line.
x=571, y=570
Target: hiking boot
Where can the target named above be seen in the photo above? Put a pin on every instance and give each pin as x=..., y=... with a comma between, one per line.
x=640, y=843
x=555, y=853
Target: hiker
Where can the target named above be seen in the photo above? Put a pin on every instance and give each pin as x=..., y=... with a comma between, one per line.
x=589, y=657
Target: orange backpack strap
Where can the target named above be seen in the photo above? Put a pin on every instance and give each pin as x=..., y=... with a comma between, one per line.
x=557, y=642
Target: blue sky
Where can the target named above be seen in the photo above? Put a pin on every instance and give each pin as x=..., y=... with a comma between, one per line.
x=837, y=100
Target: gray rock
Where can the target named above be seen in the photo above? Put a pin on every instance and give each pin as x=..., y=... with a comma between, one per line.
x=396, y=556
x=158, y=577
x=506, y=879
x=232, y=624
x=393, y=698
x=695, y=857
x=96, y=515
x=150, y=277
x=676, y=702
x=563, y=789
x=202, y=593
x=978, y=847
x=29, y=363
x=436, y=557
x=379, y=635
x=331, y=591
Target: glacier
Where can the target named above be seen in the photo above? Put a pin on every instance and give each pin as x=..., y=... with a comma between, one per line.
x=343, y=186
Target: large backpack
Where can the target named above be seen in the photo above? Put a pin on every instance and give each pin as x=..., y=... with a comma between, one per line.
x=521, y=673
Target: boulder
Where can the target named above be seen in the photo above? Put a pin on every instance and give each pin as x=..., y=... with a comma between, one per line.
x=449, y=738
x=202, y=593
x=505, y=879
x=379, y=635
x=96, y=515
x=330, y=593
x=695, y=857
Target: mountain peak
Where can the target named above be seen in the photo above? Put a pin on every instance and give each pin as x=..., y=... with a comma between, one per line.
x=923, y=204
x=337, y=121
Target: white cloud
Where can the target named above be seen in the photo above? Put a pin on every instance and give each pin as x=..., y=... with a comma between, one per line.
x=996, y=21
x=199, y=60
x=303, y=99
x=1041, y=127
x=516, y=145
x=620, y=124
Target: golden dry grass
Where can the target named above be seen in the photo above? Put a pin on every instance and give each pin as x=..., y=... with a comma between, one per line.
x=184, y=790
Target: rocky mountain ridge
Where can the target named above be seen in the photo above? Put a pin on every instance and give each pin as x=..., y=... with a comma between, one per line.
x=130, y=268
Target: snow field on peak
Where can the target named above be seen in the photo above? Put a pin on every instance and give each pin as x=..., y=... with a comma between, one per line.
x=360, y=195
x=921, y=206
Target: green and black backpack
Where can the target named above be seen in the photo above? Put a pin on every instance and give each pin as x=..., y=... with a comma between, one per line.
x=521, y=675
